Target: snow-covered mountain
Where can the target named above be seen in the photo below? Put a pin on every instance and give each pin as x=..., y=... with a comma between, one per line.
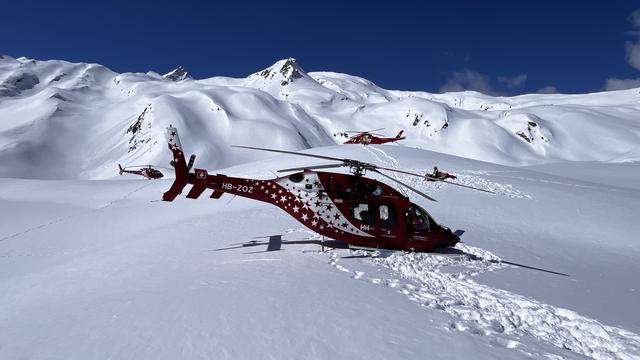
x=178, y=74
x=548, y=267
x=67, y=120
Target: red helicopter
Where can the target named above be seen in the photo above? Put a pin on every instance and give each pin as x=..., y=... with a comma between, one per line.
x=144, y=170
x=369, y=137
x=350, y=208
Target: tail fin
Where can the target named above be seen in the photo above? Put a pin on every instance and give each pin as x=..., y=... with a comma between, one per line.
x=400, y=134
x=178, y=163
x=121, y=169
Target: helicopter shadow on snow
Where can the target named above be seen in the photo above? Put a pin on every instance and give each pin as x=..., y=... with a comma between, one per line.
x=275, y=243
x=449, y=251
x=472, y=257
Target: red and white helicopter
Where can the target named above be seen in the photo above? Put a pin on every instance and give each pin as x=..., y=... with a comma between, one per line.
x=143, y=170
x=351, y=208
x=369, y=137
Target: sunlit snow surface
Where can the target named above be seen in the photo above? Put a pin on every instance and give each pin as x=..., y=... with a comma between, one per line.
x=97, y=268
x=103, y=269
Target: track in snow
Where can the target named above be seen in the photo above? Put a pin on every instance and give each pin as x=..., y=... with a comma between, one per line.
x=445, y=283
x=465, y=177
x=64, y=218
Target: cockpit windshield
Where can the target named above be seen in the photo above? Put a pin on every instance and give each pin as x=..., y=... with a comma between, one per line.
x=418, y=218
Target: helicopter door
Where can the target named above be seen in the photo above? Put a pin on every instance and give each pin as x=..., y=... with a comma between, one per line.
x=418, y=224
x=388, y=221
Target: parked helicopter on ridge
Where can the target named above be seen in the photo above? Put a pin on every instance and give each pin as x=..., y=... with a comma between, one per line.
x=369, y=137
x=146, y=171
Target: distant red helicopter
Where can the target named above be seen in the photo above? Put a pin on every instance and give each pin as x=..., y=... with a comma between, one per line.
x=369, y=137
x=350, y=208
x=144, y=170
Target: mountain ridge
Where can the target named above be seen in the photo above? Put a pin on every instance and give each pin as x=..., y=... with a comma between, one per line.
x=77, y=120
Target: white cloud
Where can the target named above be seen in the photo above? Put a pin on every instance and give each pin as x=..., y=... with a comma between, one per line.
x=634, y=18
x=633, y=54
x=468, y=80
x=633, y=57
x=515, y=82
x=622, y=84
x=633, y=47
x=548, y=90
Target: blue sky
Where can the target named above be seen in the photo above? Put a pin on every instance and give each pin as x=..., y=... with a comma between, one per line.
x=501, y=47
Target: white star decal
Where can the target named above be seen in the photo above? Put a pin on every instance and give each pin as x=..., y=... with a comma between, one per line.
x=295, y=209
x=305, y=217
x=273, y=196
x=283, y=198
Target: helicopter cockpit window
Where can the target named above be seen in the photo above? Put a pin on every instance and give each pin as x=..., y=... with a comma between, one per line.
x=417, y=219
x=388, y=216
x=296, y=178
x=361, y=212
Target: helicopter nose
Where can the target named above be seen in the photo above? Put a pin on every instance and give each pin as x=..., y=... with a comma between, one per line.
x=452, y=238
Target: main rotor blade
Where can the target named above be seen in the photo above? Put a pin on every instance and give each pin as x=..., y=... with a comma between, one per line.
x=403, y=172
x=328, y=166
x=138, y=166
x=436, y=179
x=405, y=185
x=466, y=186
x=360, y=131
x=289, y=152
x=155, y=167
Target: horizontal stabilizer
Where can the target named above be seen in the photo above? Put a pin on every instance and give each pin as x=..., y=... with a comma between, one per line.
x=197, y=190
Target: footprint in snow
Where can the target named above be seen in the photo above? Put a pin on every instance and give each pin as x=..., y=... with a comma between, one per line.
x=485, y=311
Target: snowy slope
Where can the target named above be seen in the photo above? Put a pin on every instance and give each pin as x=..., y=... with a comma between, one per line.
x=102, y=269
x=64, y=120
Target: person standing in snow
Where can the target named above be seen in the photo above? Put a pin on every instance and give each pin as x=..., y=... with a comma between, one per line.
x=436, y=173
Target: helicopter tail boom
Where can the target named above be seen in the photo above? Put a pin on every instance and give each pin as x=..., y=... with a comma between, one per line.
x=399, y=136
x=178, y=163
